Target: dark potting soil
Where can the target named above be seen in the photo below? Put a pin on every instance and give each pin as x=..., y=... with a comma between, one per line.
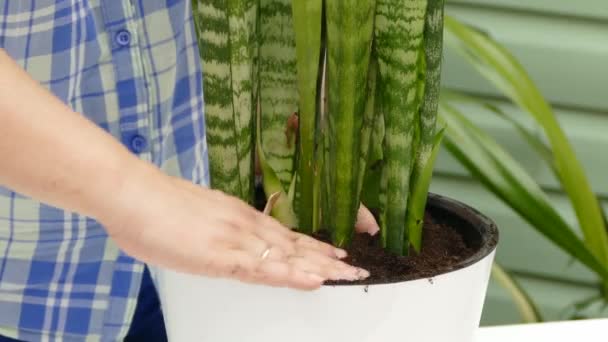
x=442, y=248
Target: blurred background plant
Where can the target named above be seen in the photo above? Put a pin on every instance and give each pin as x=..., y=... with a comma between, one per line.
x=566, y=211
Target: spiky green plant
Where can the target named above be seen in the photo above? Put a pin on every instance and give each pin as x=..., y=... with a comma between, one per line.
x=501, y=174
x=338, y=87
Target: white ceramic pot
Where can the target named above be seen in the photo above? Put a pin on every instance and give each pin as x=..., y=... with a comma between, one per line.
x=444, y=308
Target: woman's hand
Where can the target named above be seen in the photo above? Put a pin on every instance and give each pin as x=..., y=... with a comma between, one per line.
x=158, y=219
x=188, y=228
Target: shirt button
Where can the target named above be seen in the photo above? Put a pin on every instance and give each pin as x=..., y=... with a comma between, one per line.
x=138, y=144
x=123, y=37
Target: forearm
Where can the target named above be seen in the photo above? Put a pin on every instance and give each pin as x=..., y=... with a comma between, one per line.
x=55, y=155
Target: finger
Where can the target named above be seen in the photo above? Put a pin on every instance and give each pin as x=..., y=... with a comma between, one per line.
x=266, y=227
x=305, y=241
x=258, y=279
x=263, y=228
x=366, y=223
x=279, y=272
x=241, y=266
x=252, y=244
x=238, y=265
x=271, y=231
x=312, y=262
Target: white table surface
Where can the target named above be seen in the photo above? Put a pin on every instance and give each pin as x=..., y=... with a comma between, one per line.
x=584, y=331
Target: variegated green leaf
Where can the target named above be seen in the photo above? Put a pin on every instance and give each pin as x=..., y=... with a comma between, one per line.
x=350, y=25
x=226, y=33
x=307, y=18
x=399, y=34
x=429, y=141
x=278, y=86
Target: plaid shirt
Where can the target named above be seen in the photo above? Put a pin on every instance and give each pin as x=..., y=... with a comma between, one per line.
x=132, y=67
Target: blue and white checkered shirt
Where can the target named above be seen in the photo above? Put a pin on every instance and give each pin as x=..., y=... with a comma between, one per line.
x=132, y=67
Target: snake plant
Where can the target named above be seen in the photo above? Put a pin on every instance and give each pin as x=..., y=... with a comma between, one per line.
x=324, y=93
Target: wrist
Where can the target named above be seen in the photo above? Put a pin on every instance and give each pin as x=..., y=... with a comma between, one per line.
x=129, y=185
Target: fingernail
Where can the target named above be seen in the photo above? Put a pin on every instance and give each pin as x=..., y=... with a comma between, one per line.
x=316, y=278
x=340, y=253
x=353, y=274
x=349, y=276
x=363, y=274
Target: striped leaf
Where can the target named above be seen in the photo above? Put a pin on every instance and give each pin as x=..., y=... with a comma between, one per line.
x=307, y=18
x=242, y=17
x=226, y=33
x=419, y=194
x=429, y=141
x=278, y=86
x=369, y=122
x=350, y=26
x=370, y=193
x=211, y=19
x=399, y=34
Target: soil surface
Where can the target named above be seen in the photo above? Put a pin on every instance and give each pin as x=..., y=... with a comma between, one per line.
x=442, y=248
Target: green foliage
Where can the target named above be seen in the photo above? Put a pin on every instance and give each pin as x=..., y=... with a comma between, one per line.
x=308, y=17
x=278, y=85
x=501, y=174
x=342, y=90
x=227, y=30
x=350, y=25
x=363, y=78
x=428, y=140
x=525, y=306
x=282, y=207
x=399, y=37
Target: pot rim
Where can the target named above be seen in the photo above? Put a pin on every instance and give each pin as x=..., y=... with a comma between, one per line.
x=457, y=211
x=487, y=228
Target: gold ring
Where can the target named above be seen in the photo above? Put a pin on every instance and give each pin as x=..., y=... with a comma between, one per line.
x=265, y=254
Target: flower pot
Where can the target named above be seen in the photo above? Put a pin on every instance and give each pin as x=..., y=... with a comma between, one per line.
x=443, y=308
